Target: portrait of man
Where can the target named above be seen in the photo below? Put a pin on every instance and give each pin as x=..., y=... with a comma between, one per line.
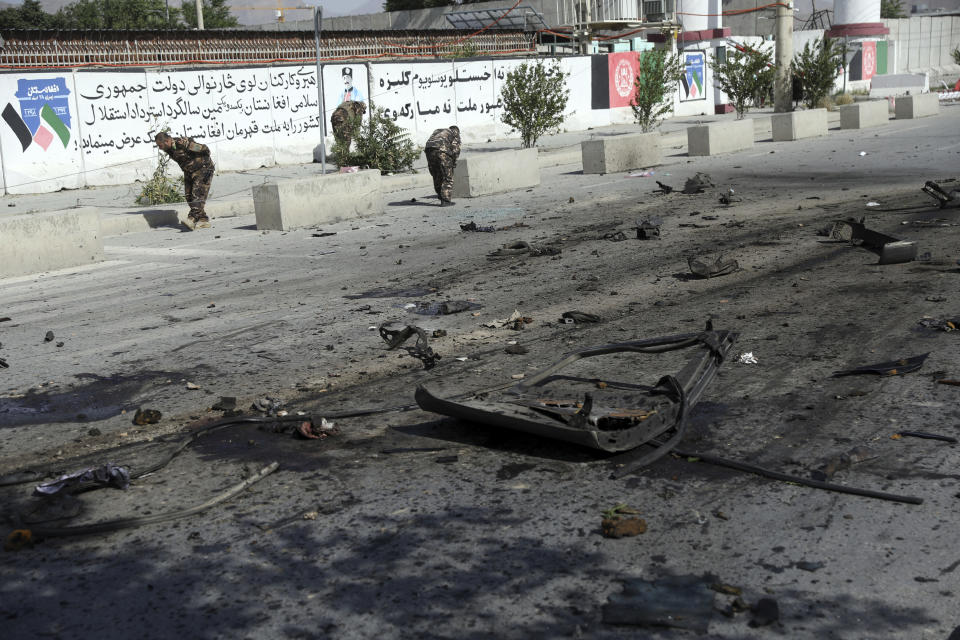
x=349, y=92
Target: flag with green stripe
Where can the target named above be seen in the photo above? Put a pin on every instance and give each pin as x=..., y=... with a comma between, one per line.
x=55, y=123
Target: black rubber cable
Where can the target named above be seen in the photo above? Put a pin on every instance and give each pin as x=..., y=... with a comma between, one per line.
x=785, y=477
x=928, y=436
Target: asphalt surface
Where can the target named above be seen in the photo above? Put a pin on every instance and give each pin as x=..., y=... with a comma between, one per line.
x=407, y=524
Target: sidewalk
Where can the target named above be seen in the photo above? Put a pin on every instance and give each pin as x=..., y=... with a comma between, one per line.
x=230, y=193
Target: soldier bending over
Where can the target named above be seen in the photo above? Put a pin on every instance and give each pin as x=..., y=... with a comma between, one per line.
x=442, y=151
x=342, y=121
x=194, y=160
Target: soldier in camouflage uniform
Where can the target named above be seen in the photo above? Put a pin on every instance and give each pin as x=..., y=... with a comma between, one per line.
x=341, y=119
x=442, y=151
x=194, y=160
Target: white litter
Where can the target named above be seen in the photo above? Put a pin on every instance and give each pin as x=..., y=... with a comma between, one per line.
x=873, y=204
x=747, y=358
x=863, y=153
x=461, y=359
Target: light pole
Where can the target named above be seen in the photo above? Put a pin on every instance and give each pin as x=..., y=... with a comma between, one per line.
x=317, y=28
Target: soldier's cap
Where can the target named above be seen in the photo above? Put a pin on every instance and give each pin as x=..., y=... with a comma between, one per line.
x=162, y=136
x=347, y=71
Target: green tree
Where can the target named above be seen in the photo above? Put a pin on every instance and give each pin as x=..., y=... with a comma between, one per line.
x=534, y=99
x=380, y=144
x=956, y=55
x=117, y=14
x=29, y=15
x=746, y=77
x=658, y=73
x=890, y=9
x=216, y=14
x=817, y=67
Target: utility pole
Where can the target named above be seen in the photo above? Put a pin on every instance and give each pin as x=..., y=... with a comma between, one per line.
x=587, y=17
x=200, y=15
x=317, y=29
x=782, y=82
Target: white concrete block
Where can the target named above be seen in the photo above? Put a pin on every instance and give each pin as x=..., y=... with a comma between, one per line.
x=35, y=242
x=487, y=173
x=307, y=202
x=621, y=153
x=860, y=115
x=917, y=106
x=719, y=137
x=797, y=125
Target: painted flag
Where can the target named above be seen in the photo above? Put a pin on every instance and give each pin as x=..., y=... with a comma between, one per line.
x=43, y=137
x=697, y=81
x=15, y=122
x=56, y=124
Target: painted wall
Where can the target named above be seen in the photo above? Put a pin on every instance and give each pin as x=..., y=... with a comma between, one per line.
x=88, y=128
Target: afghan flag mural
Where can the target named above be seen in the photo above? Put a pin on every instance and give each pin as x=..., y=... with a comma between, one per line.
x=44, y=114
x=39, y=133
x=694, y=63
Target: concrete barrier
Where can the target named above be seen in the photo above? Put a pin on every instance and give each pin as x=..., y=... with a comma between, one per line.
x=899, y=84
x=719, y=137
x=486, y=173
x=917, y=106
x=797, y=125
x=861, y=115
x=35, y=242
x=307, y=202
x=620, y=153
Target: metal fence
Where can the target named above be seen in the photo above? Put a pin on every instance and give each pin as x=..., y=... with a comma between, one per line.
x=59, y=49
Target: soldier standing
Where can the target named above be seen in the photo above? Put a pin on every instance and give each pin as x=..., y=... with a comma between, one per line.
x=342, y=121
x=442, y=151
x=194, y=160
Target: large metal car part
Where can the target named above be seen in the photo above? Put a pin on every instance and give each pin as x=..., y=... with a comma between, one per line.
x=610, y=416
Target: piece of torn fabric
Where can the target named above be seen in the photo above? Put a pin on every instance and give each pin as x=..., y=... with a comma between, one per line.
x=891, y=368
x=710, y=268
x=109, y=475
x=683, y=602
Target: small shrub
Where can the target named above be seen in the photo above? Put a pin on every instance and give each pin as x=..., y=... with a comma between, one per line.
x=817, y=67
x=161, y=188
x=380, y=144
x=956, y=55
x=842, y=98
x=658, y=73
x=534, y=99
x=826, y=102
x=746, y=77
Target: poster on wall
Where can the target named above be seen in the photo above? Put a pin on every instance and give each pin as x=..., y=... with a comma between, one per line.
x=623, y=68
x=343, y=82
x=694, y=76
x=39, y=133
x=869, y=59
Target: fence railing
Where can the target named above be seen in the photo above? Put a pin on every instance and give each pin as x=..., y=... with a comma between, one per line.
x=42, y=49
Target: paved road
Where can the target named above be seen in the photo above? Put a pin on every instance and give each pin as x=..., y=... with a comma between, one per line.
x=505, y=540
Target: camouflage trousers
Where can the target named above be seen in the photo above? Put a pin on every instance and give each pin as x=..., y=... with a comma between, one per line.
x=341, y=128
x=197, y=187
x=441, y=165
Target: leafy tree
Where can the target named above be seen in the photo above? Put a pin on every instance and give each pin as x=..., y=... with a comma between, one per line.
x=534, y=99
x=117, y=14
x=746, y=77
x=890, y=9
x=956, y=55
x=817, y=67
x=29, y=15
x=216, y=14
x=380, y=144
x=657, y=76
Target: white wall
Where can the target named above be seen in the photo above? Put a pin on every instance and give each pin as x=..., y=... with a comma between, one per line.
x=250, y=116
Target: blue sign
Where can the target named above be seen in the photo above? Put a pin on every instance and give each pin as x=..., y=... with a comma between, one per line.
x=37, y=92
x=694, y=75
